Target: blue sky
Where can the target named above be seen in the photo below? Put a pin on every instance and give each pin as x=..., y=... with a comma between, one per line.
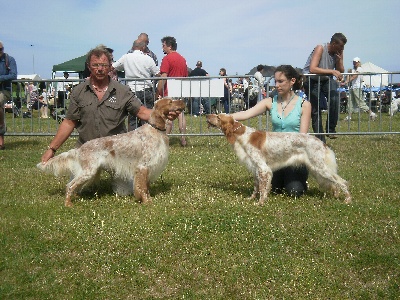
x=236, y=35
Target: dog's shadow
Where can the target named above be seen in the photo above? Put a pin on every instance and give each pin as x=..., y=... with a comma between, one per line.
x=103, y=188
x=21, y=144
x=245, y=190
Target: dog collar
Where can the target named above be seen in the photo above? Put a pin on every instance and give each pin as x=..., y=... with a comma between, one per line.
x=154, y=126
x=241, y=125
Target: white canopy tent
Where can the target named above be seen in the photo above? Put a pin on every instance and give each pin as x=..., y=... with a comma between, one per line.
x=374, y=80
x=31, y=77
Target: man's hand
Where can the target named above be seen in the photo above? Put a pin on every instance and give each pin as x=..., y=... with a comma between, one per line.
x=47, y=155
x=64, y=131
x=173, y=115
x=337, y=74
x=339, y=55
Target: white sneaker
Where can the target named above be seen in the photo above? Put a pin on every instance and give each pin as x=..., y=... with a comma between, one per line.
x=348, y=118
x=372, y=115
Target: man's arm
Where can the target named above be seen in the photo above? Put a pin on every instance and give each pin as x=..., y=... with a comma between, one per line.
x=119, y=64
x=144, y=113
x=314, y=65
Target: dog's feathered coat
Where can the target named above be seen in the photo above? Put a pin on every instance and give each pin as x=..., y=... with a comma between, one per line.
x=140, y=155
x=264, y=152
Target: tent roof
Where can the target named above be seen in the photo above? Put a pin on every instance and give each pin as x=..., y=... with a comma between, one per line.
x=370, y=67
x=375, y=80
x=29, y=77
x=74, y=65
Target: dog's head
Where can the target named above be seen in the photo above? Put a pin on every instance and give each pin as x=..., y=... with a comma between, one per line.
x=162, y=110
x=166, y=105
x=224, y=122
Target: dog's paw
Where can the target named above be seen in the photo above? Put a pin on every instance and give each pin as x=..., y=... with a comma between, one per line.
x=259, y=203
x=347, y=200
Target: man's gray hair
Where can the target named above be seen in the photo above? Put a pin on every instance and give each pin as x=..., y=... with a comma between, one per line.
x=138, y=44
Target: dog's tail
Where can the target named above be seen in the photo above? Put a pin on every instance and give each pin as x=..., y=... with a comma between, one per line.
x=59, y=165
x=330, y=159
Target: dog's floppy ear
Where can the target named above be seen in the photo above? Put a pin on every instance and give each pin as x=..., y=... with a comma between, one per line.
x=227, y=128
x=162, y=106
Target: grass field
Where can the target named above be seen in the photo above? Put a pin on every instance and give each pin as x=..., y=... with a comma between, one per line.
x=201, y=238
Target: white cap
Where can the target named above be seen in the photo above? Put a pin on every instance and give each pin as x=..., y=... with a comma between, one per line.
x=356, y=59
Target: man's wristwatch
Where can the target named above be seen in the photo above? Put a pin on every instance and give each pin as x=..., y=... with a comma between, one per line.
x=52, y=149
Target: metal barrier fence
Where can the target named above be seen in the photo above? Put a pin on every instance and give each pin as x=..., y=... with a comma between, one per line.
x=28, y=114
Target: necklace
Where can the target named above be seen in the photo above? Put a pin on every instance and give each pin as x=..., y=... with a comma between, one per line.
x=99, y=90
x=284, y=107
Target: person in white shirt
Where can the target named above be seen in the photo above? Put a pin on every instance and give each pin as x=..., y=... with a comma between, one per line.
x=356, y=96
x=138, y=65
x=63, y=90
x=259, y=82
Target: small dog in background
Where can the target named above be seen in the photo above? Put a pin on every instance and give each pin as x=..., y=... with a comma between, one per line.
x=140, y=155
x=264, y=152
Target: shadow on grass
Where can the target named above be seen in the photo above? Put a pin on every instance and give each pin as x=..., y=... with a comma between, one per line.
x=13, y=144
x=245, y=189
x=103, y=188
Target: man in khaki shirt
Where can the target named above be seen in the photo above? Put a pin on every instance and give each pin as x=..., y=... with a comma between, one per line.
x=98, y=107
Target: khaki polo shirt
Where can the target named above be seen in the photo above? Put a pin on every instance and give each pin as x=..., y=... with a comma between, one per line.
x=101, y=118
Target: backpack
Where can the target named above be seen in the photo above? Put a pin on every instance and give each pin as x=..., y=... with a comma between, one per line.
x=7, y=62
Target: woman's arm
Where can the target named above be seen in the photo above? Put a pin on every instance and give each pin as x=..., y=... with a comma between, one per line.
x=256, y=110
x=305, y=117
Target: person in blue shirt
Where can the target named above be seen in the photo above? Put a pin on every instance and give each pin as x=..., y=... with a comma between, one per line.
x=8, y=72
x=289, y=113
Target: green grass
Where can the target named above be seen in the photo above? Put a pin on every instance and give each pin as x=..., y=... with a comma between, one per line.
x=201, y=238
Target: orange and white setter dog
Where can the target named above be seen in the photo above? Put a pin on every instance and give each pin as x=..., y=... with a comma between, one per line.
x=264, y=152
x=140, y=155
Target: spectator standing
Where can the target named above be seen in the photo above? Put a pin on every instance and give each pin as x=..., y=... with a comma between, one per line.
x=289, y=113
x=196, y=101
x=144, y=37
x=27, y=91
x=138, y=65
x=246, y=92
x=259, y=82
x=63, y=90
x=8, y=72
x=98, y=107
x=245, y=83
x=172, y=65
x=325, y=60
x=227, y=90
x=355, y=85
x=44, y=105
